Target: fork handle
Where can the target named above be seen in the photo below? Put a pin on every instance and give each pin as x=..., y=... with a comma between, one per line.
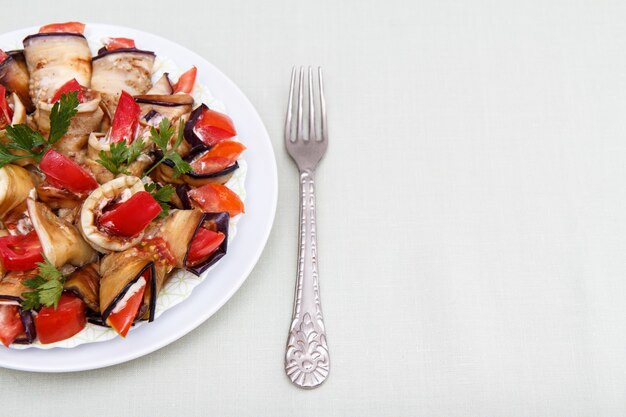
x=307, y=362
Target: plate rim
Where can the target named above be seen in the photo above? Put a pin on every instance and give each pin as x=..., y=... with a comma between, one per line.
x=264, y=233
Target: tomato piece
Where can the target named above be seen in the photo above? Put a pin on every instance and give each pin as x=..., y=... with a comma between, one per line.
x=67, y=27
x=214, y=198
x=214, y=127
x=123, y=319
x=62, y=172
x=186, y=81
x=125, y=120
x=10, y=324
x=20, y=252
x=69, y=87
x=158, y=247
x=132, y=216
x=219, y=157
x=3, y=56
x=55, y=324
x=6, y=114
x=118, y=43
x=204, y=243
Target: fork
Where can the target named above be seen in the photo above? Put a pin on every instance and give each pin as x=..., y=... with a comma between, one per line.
x=307, y=361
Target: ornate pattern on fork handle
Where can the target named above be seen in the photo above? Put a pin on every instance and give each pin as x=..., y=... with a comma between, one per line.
x=307, y=361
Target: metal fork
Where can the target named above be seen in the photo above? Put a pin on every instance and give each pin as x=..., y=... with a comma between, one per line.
x=307, y=361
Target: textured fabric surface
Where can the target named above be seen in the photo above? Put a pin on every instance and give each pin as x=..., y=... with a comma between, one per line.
x=471, y=208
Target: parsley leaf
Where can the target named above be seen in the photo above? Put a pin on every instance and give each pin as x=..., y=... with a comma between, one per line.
x=162, y=195
x=6, y=157
x=47, y=286
x=120, y=156
x=115, y=159
x=30, y=300
x=180, y=166
x=50, y=293
x=162, y=138
x=163, y=135
x=61, y=115
x=34, y=282
x=110, y=163
x=23, y=138
x=134, y=150
x=48, y=271
x=31, y=144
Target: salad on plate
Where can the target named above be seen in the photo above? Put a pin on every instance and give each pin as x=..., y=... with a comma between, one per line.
x=114, y=178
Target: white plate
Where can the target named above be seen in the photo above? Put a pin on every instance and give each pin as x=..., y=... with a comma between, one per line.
x=243, y=252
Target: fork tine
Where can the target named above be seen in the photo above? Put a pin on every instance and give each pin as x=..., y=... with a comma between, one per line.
x=288, y=128
x=300, y=129
x=324, y=136
x=311, y=107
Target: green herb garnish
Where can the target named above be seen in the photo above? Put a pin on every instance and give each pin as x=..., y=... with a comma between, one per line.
x=120, y=156
x=31, y=144
x=162, y=138
x=61, y=116
x=47, y=287
x=162, y=195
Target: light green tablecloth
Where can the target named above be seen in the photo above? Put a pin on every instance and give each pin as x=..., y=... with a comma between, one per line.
x=471, y=208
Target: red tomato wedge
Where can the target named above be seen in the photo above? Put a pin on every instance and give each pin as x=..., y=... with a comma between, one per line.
x=123, y=319
x=186, y=81
x=20, y=252
x=62, y=172
x=132, y=216
x=214, y=127
x=67, y=27
x=55, y=324
x=214, y=198
x=10, y=324
x=158, y=247
x=125, y=120
x=3, y=56
x=70, y=86
x=118, y=43
x=6, y=114
x=221, y=156
x=203, y=245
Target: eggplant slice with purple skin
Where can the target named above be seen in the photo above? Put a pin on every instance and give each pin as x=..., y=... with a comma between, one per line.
x=11, y=289
x=190, y=134
x=165, y=171
x=162, y=86
x=120, y=271
x=173, y=106
x=180, y=229
x=14, y=77
x=85, y=284
x=181, y=199
x=54, y=59
x=218, y=222
x=124, y=69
